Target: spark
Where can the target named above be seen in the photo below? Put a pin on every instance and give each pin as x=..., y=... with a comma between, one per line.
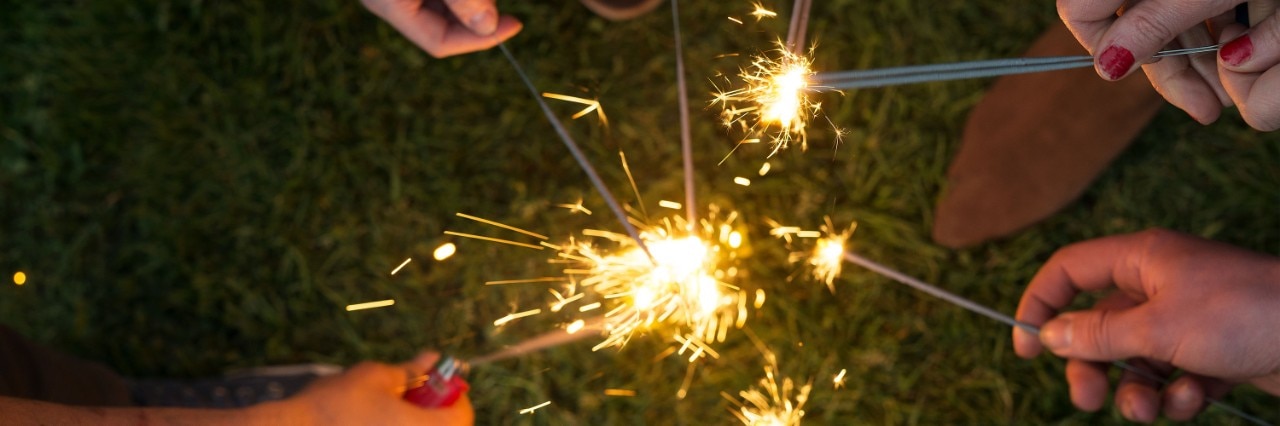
x=526, y=280
x=575, y=207
x=592, y=105
x=556, y=307
x=492, y=239
x=738, y=21
x=502, y=225
x=761, y=12
x=619, y=392
x=772, y=102
x=530, y=410
x=839, y=379
x=19, y=278
x=445, y=251
x=371, y=305
x=406, y=262
x=575, y=326
x=771, y=403
x=670, y=204
x=742, y=181
x=590, y=307
x=826, y=257
x=764, y=168
x=510, y=317
x=760, y=296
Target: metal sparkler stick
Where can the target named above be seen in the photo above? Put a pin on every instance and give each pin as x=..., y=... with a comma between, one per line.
x=686, y=139
x=577, y=153
x=995, y=315
x=861, y=79
x=799, y=26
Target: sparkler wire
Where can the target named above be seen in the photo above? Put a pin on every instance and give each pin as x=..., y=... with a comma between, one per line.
x=577, y=153
x=995, y=315
x=799, y=26
x=859, y=79
x=686, y=139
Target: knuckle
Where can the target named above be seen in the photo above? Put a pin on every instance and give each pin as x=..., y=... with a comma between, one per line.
x=1147, y=26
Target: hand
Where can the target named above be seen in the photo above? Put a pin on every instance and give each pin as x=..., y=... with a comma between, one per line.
x=370, y=393
x=1182, y=302
x=447, y=27
x=1249, y=72
x=1121, y=43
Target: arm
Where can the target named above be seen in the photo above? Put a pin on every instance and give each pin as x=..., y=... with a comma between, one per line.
x=369, y=393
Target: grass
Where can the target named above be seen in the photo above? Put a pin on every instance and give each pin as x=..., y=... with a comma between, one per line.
x=197, y=186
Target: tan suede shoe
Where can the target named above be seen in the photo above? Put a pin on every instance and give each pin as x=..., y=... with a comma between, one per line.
x=621, y=10
x=1035, y=142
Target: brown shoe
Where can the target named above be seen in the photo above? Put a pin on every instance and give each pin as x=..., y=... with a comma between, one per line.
x=621, y=10
x=1035, y=142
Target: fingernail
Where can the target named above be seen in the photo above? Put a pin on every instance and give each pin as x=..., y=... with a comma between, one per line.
x=484, y=23
x=1056, y=334
x=1237, y=51
x=1126, y=409
x=1183, y=395
x=1115, y=62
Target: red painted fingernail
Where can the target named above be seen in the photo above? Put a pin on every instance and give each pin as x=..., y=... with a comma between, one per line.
x=1237, y=51
x=1115, y=62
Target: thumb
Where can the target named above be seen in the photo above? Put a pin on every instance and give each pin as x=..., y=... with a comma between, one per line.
x=1101, y=335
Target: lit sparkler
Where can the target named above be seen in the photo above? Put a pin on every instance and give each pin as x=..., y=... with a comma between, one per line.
x=683, y=291
x=770, y=403
x=773, y=102
x=826, y=258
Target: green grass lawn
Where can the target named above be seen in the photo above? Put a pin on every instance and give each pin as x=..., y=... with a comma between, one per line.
x=194, y=186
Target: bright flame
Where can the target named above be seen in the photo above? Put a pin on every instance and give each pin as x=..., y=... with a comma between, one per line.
x=20, y=278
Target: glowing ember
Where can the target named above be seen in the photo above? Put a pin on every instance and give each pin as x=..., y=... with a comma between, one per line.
x=619, y=392
x=592, y=105
x=773, y=103
x=770, y=404
x=575, y=326
x=839, y=379
x=445, y=251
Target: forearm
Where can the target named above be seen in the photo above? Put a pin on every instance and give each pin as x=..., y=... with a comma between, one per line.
x=26, y=412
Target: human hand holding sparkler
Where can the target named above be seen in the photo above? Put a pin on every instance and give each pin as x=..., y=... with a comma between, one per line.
x=370, y=393
x=447, y=27
x=1122, y=42
x=1183, y=302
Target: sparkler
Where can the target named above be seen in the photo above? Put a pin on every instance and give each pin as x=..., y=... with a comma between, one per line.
x=825, y=258
x=773, y=103
x=771, y=404
x=686, y=140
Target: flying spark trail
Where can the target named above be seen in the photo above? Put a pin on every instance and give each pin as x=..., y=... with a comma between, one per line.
x=530, y=410
x=592, y=105
x=370, y=305
x=406, y=262
x=839, y=379
x=510, y=317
